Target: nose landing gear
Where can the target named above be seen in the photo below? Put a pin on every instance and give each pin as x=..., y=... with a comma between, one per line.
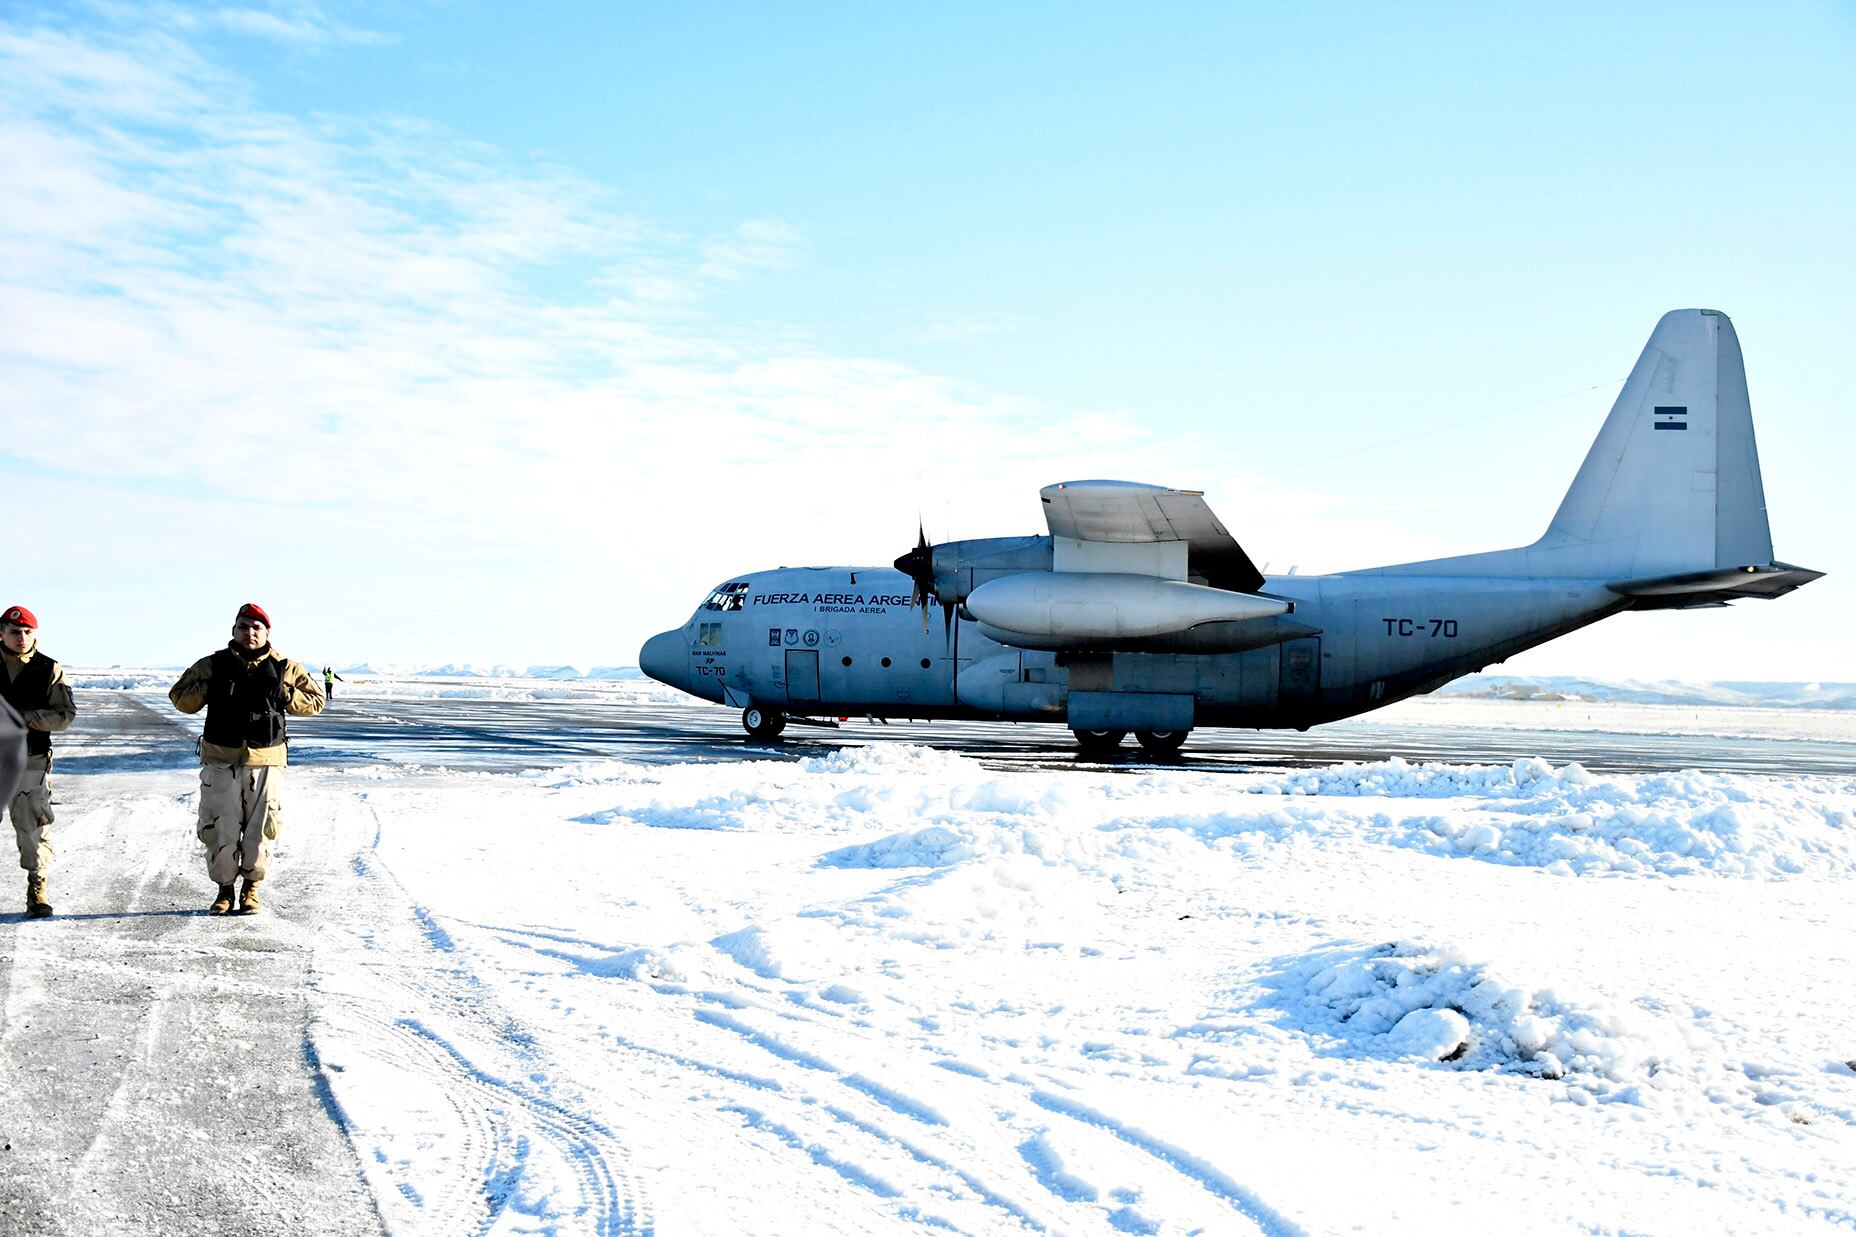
x=762, y=723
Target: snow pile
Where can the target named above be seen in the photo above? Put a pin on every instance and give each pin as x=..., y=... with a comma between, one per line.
x=1397, y=778
x=1568, y=820
x=892, y=760
x=892, y=784
x=937, y=810
x=933, y=847
x=916, y=807
x=1418, y=1002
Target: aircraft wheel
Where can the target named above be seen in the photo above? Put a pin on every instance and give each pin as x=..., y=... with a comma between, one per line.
x=762, y=723
x=1161, y=742
x=1098, y=741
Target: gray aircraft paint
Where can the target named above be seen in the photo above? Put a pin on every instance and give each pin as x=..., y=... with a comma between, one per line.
x=1668, y=510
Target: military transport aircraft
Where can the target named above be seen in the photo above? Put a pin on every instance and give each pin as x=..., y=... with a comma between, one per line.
x=1140, y=612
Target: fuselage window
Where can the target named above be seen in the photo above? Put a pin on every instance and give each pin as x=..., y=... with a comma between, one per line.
x=709, y=635
x=728, y=598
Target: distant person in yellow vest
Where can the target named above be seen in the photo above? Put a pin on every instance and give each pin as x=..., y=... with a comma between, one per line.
x=328, y=681
x=35, y=686
x=246, y=688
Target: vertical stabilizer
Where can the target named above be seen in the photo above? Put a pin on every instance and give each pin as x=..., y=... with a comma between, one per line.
x=1672, y=483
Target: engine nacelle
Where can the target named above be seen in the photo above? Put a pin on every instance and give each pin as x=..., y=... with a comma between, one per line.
x=1109, y=607
x=1207, y=639
x=961, y=566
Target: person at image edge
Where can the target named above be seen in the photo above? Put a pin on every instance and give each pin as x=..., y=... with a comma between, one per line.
x=35, y=686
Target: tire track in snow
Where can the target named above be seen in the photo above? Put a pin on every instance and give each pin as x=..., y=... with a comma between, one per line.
x=482, y=1137
x=1200, y=1173
x=1244, y=1200
x=782, y=1104
x=425, y=982
x=891, y=1100
x=581, y=1136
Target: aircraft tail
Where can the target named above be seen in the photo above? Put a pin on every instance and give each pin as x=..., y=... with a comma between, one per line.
x=1671, y=485
x=1668, y=507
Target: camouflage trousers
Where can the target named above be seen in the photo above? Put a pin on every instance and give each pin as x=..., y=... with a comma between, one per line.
x=239, y=817
x=32, y=819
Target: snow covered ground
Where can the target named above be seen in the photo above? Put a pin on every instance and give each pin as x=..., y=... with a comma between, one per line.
x=889, y=988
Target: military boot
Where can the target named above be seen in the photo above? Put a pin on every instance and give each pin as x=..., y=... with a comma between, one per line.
x=36, y=905
x=223, y=902
x=248, y=901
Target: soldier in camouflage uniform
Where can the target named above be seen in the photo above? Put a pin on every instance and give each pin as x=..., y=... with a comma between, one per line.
x=246, y=688
x=35, y=686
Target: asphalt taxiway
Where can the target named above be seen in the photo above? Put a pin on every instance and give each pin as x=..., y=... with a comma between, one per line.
x=493, y=735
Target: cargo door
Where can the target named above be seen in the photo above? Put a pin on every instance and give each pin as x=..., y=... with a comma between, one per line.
x=802, y=676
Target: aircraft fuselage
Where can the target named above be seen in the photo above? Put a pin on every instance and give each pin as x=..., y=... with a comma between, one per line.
x=834, y=641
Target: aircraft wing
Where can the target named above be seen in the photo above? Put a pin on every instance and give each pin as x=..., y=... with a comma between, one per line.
x=1126, y=512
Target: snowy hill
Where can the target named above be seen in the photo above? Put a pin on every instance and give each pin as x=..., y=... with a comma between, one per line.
x=476, y=670
x=1736, y=694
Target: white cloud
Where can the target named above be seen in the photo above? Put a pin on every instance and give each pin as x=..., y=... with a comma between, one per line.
x=293, y=23
x=374, y=335
x=966, y=328
x=299, y=24
x=757, y=245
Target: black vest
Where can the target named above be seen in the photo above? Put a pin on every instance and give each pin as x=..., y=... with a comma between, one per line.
x=32, y=690
x=245, y=701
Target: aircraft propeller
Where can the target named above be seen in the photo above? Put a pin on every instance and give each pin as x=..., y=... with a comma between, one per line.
x=918, y=565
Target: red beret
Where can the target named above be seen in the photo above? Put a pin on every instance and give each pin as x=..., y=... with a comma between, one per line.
x=21, y=616
x=252, y=609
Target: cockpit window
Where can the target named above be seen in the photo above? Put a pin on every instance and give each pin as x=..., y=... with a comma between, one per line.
x=728, y=598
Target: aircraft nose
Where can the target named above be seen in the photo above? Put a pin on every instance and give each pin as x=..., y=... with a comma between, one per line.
x=666, y=658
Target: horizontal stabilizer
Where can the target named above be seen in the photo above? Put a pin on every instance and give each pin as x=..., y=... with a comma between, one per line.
x=1713, y=588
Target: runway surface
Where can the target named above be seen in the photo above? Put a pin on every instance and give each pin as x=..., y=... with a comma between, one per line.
x=520, y=734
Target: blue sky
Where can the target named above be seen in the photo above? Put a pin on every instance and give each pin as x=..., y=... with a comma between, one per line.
x=459, y=331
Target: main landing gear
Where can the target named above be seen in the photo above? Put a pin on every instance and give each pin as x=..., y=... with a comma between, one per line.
x=762, y=723
x=1153, y=742
x=1098, y=742
x=1161, y=742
